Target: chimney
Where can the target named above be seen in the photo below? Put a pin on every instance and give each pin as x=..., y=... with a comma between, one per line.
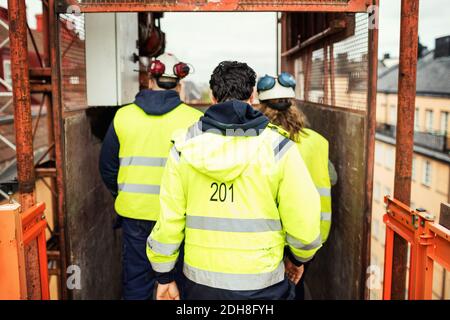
x=39, y=22
x=421, y=50
x=442, y=47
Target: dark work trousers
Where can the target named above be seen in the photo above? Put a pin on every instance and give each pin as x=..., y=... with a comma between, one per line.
x=300, y=287
x=138, y=276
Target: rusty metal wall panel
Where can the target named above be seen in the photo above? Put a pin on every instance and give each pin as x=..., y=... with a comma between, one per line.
x=338, y=268
x=92, y=243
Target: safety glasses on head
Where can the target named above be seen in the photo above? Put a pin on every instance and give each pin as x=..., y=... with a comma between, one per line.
x=268, y=82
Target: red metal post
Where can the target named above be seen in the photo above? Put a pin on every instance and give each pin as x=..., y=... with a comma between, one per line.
x=45, y=31
x=332, y=76
x=34, y=225
x=285, y=39
x=307, y=65
x=370, y=131
x=418, y=261
x=23, y=127
x=50, y=126
x=54, y=26
x=405, y=131
x=22, y=101
x=388, y=250
x=326, y=73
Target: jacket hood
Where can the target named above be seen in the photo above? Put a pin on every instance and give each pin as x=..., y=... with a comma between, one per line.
x=225, y=140
x=155, y=102
x=233, y=115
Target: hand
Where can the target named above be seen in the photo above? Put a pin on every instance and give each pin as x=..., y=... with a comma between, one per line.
x=293, y=272
x=168, y=291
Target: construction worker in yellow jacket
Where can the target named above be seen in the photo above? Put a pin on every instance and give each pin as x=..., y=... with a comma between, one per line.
x=132, y=161
x=236, y=191
x=276, y=95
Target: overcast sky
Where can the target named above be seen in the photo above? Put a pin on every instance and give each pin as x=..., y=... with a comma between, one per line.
x=204, y=39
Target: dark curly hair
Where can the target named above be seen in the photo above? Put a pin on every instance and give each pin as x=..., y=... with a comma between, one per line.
x=232, y=80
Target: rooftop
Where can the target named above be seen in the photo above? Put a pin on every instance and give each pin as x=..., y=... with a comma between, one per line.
x=433, y=77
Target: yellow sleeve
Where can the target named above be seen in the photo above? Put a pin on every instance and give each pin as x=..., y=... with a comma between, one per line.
x=165, y=240
x=299, y=207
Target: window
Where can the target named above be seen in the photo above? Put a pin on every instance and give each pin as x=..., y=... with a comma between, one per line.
x=429, y=120
x=426, y=178
x=376, y=229
x=387, y=191
x=377, y=192
x=7, y=71
x=408, y=253
x=379, y=154
x=393, y=115
x=444, y=122
x=383, y=234
x=389, y=164
x=74, y=80
x=375, y=260
x=413, y=171
x=417, y=120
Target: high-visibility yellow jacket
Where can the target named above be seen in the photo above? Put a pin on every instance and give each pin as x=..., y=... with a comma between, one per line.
x=236, y=201
x=145, y=142
x=314, y=150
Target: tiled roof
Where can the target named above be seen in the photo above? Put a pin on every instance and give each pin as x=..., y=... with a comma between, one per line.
x=433, y=77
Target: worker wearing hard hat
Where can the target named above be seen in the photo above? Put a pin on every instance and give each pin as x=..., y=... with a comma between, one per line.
x=132, y=160
x=236, y=190
x=276, y=95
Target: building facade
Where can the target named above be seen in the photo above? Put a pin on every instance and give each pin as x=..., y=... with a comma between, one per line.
x=431, y=160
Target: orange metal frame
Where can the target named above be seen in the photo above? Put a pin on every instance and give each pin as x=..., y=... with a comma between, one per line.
x=20, y=230
x=203, y=5
x=34, y=225
x=13, y=284
x=429, y=241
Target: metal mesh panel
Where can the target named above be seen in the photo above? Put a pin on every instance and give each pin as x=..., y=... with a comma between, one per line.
x=338, y=72
x=317, y=79
x=73, y=62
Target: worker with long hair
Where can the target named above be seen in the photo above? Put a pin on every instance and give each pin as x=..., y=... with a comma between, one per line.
x=277, y=102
